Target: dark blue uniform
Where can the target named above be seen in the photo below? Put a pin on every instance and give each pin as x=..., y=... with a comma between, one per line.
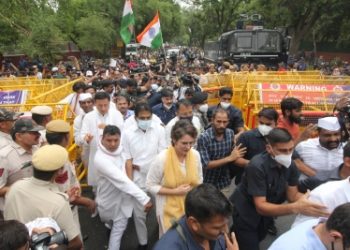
x=172, y=240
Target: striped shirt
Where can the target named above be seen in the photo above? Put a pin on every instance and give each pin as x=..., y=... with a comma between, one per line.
x=211, y=149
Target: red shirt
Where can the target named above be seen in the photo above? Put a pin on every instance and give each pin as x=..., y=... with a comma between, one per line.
x=293, y=128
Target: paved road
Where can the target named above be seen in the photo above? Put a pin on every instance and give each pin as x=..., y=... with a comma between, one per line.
x=98, y=239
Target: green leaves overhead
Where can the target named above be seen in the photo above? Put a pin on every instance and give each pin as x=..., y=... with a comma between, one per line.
x=43, y=27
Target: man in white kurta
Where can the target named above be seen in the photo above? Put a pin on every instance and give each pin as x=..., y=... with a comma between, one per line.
x=87, y=105
x=93, y=125
x=324, y=154
x=184, y=110
x=73, y=98
x=141, y=144
x=116, y=194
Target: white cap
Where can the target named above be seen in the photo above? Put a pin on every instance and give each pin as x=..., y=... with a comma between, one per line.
x=54, y=69
x=85, y=96
x=89, y=73
x=329, y=123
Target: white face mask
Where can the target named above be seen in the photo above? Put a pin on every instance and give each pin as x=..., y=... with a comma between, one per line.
x=203, y=108
x=284, y=160
x=154, y=86
x=264, y=129
x=144, y=124
x=225, y=105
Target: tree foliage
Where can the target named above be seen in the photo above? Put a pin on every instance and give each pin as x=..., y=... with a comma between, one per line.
x=43, y=27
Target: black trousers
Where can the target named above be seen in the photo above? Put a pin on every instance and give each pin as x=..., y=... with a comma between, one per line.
x=249, y=237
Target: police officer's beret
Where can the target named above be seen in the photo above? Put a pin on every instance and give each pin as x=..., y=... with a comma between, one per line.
x=57, y=126
x=7, y=115
x=50, y=158
x=41, y=110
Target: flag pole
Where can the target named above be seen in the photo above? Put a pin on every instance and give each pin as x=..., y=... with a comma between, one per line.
x=162, y=42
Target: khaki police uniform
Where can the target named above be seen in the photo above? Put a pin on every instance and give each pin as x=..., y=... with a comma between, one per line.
x=14, y=165
x=5, y=139
x=33, y=198
x=67, y=178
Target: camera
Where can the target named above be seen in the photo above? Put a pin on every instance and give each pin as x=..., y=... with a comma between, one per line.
x=187, y=79
x=44, y=240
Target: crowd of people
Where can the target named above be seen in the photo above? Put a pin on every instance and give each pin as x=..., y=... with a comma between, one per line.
x=151, y=141
x=165, y=66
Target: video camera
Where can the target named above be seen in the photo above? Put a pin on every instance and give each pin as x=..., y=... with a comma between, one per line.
x=44, y=240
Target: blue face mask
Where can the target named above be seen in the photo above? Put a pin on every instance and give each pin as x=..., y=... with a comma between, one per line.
x=144, y=124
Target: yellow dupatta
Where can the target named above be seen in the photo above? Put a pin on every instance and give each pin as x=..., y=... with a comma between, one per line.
x=174, y=177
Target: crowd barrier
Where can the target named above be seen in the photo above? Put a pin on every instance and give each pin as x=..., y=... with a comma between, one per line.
x=31, y=81
x=62, y=112
x=253, y=91
x=54, y=95
x=33, y=90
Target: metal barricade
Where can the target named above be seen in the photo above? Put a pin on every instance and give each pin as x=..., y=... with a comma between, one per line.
x=30, y=80
x=54, y=95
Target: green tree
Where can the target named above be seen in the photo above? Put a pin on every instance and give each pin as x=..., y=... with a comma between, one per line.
x=302, y=17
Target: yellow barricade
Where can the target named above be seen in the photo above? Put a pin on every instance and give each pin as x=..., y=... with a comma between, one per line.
x=54, y=95
x=31, y=81
x=33, y=90
x=255, y=90
x=60, y=111
x=81, y=171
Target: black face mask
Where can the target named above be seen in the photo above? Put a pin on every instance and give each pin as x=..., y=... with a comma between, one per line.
x=189, y=118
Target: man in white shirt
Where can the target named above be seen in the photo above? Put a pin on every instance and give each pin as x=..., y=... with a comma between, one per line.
x=141, y=144
x=86, y=103
x=73, y=98
x=184, y=110
x=324, y=154
x=93, y=124
x=320, y=234
x=116, y=194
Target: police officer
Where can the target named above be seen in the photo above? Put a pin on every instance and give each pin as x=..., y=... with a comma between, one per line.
x=38, y=196
x=57, y=133
x=15, y=157
x=7, y=118
x=42, y=115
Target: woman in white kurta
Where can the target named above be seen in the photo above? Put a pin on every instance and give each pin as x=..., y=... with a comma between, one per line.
x=116, y=194
x=173, y=173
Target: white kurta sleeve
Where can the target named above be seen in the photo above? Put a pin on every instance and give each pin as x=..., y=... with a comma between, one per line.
x=86, y=128
x=199, y=166
x=126, y=146
x=77, y=124
x=155, y=174
x=161, y=142
x=168, y=128
x=120, y=180
x=67, y=99
x=118, y=119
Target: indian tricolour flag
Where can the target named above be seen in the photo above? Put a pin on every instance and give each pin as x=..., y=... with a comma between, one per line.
x=151, y=36
x=128, y=22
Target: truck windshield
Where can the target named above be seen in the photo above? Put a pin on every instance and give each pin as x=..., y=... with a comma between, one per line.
x=268, y=41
